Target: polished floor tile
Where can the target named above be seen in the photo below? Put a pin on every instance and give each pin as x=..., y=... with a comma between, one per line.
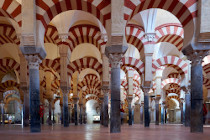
x=97, y=132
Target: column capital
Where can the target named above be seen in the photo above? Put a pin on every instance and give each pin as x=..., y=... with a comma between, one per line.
x=129, y=99
x=33, y=61
x=145, y=89
x=157, y=97
x=150, y=37
x=196, y=56
x=186, y=89
x=101, y=98
x=65, y=89
x=63, y=36
x=105, y=90
x=115, y=60
x=75, y=100
x=115, y=54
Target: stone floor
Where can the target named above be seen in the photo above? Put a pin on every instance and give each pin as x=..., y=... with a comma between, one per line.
x=97, y=132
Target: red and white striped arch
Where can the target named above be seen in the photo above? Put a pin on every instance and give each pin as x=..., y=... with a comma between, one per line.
x=136, y=77
x=176, y=91
x=91, y=81
x=171, y=33
x=173, y=75
x=136, y=64
x=92, y=98
x=124, y=84
x=8, y=35
x=154, y=85
x=55, y=85
x=51, y=35
x=136, y=83
x=138, y=92
x=8, y=64
x=135, y=37
x=48, y=9
x=184, y=10
x=206, y=69
x=174, y=97
x=171, y=61
x=83, y=63
x=8, y=84
x=125, y=69
x=169, y=81
x=11, y=9
x=85, y=34
x=93, y=91
x=206, y=82
x=50, y=64
x=43, y=83
x=78, y=34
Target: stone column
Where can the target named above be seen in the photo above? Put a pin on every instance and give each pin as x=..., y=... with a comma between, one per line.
x=129, y=99
x=64, y=52
x=101, y=109
x=50, y=111
x=187, y=108
x=142, y=113
x=70, y=113
x=65, y=91
x=130, y=75
x=163, y=113
x=157, y=99
x=181, y=109
x=80, y=113
x=105, y=106
x=75, y=99
x=2, y=111
x=33, y=62
x=25, y=106
x=196, y=112
x=61, y=106
x=53, y=110
x=146, y=106
x=84, y=115
x=115, y=54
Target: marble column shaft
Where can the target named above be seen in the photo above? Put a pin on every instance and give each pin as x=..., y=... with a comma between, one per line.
x=157, y=111
x=101, y=114
x=181, y=108
x=115, y=54
x=142, y=113
x=146, y=111
x=115, y=121
x=2, y=112
x=130, y=114
x=53, y=110
x=75, y=111
x=61, y=106
x=50, y=112
x=105, y=109
x=34, y=92
x=65, y=108
x=80, y=113
x=26, y=107
x=162, y=113
x=196, y=98
x=84, y=115
x=187, y=109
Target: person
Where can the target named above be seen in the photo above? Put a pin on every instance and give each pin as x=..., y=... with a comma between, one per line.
x=204, y=113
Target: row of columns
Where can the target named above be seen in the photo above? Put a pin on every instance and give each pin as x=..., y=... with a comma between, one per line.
x=115, y=60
